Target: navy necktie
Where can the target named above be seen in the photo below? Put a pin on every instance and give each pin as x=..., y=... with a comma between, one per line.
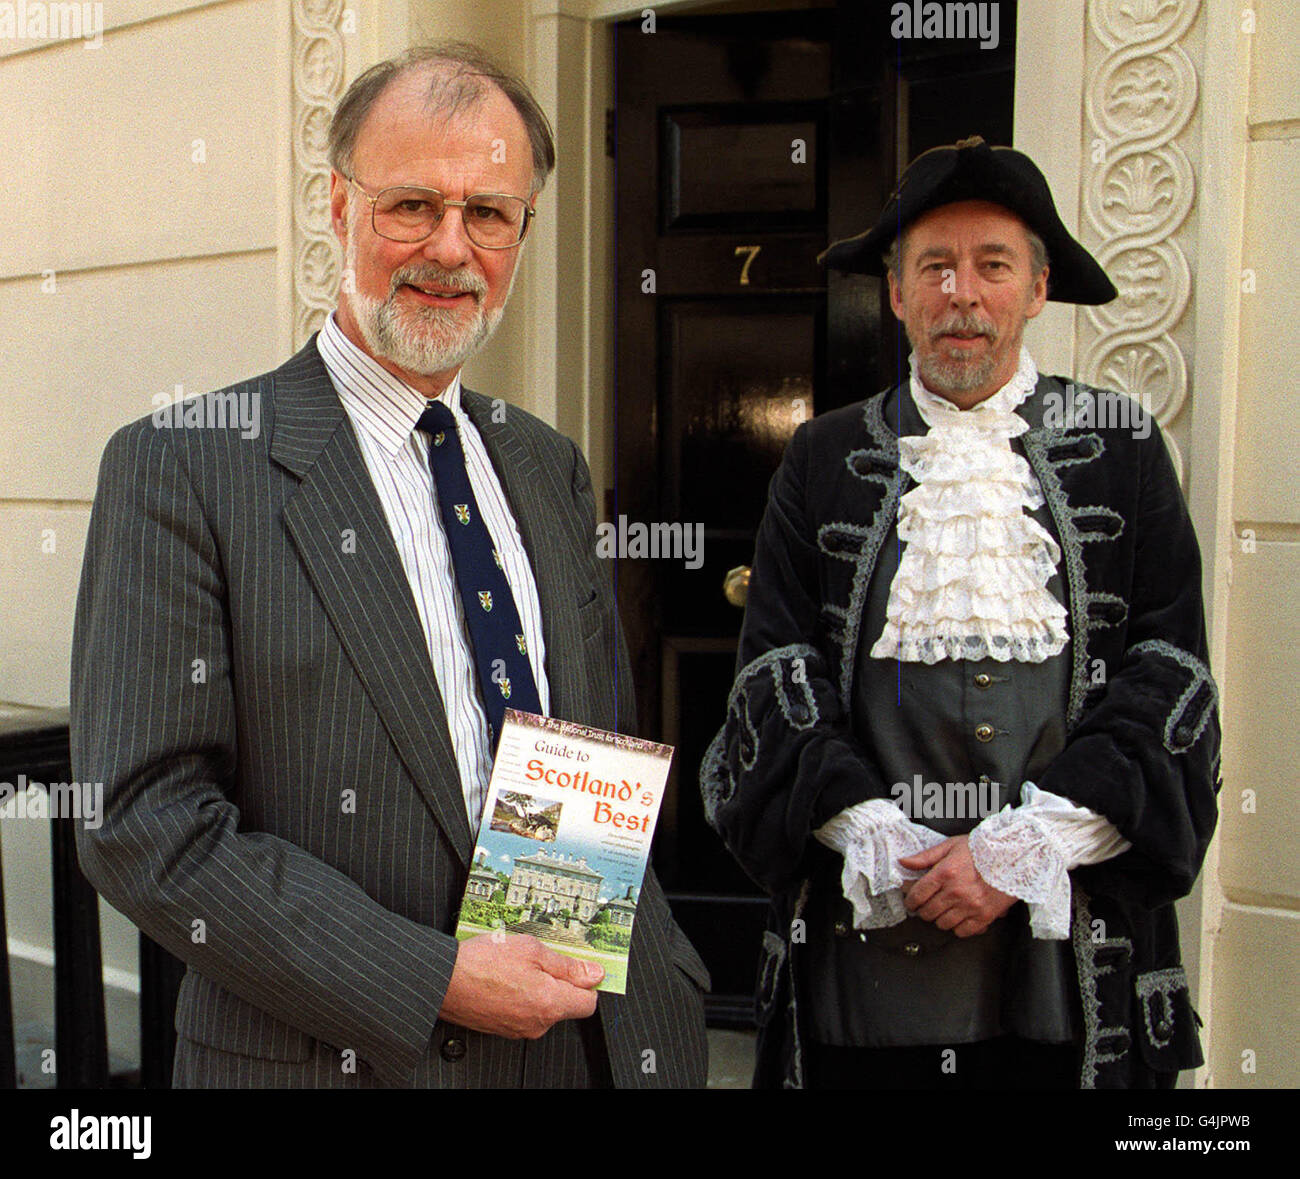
x=496, y=635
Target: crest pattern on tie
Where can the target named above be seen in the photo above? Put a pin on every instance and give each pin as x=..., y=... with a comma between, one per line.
x=495, y=632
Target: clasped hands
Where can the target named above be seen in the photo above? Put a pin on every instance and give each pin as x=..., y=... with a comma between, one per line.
x=952, y=894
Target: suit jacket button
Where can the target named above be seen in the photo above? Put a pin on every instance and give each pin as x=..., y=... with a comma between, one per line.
x=911, y=949
x=983, y=680
x=453, y=1049
x=984, y=732
x=841, y=929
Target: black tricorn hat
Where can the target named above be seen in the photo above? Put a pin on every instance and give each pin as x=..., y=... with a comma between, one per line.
x=971, y=170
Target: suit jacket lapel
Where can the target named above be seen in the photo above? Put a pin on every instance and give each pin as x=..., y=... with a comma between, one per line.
x=337, y=523
x=540, y=514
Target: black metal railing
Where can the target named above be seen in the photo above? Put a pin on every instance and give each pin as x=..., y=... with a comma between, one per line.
x=34, y=749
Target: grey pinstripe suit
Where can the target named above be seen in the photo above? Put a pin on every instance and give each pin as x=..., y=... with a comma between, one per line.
x=286, y=815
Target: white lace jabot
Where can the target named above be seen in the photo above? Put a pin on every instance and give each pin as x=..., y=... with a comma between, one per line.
x=972, y=583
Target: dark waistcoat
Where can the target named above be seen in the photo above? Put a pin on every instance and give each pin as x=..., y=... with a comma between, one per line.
x=986, y=725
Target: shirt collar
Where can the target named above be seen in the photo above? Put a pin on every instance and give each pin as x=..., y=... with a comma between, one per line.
x=381, y=404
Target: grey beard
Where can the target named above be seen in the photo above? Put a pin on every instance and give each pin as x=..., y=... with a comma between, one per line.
x=955, y=374
x=941, y=374
x=389, y=332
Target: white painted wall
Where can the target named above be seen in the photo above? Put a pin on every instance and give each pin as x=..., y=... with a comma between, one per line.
x=1256, y=948
x=138, y=245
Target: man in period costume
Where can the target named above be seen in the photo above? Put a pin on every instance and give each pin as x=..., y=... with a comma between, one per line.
x=972, y=748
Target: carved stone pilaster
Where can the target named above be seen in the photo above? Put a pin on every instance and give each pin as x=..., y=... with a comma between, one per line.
x=318, y=77
x=1139, y=186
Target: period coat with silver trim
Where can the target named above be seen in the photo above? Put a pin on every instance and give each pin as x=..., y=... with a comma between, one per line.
x=1143, y=731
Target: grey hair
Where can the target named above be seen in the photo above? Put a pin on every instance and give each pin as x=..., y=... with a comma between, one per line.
x=893, y=257
x=461, y=73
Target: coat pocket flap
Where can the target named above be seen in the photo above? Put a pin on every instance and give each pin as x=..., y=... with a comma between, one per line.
x=216, y=1018
x=1166, y=1023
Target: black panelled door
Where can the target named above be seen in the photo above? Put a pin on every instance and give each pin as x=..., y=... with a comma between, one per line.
x=744, y=145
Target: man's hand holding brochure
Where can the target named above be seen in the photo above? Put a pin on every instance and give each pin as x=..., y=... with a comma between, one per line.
x=562, y=852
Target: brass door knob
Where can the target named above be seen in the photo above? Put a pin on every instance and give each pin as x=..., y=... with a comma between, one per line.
x=735, y=586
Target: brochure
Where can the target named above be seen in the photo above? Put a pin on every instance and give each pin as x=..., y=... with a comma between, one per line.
x=564, y=840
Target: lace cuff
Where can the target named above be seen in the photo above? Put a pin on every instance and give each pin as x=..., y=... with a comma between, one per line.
x=1028, y=851
x=872, y=836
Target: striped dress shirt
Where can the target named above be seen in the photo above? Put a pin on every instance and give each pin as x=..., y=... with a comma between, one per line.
x=384, y=411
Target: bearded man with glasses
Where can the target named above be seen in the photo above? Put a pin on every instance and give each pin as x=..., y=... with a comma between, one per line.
x=310, y=800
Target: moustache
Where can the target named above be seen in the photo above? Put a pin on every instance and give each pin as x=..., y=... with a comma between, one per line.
x=964, y=325
x=436, y=276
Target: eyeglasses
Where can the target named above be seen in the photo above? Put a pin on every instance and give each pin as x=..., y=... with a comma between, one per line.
x=493, y=220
